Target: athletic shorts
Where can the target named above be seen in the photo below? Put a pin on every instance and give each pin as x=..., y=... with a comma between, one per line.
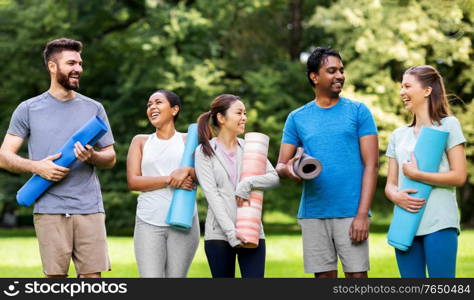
x=80, y=237
x=324, y=240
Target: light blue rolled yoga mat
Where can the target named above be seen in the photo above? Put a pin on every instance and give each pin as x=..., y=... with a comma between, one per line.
x=181, y=211
x=90, y=133
x=429, y=150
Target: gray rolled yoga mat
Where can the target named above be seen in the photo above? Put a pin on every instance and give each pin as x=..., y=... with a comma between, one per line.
x=306, y=167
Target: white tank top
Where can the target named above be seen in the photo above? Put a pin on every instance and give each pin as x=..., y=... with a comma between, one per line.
x=159, y=158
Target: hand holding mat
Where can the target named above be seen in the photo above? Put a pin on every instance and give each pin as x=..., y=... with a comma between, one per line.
x=306, y=166
x=90, y=133
x=181, y=210
x=254, y=163
x=429, y=150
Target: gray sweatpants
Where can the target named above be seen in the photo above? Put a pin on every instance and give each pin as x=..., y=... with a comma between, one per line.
x=163, y=251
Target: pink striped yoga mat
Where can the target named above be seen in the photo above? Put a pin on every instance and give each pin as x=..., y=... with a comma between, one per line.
x=254, y=162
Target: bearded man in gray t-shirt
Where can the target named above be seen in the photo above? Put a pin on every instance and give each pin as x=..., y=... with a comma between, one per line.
x=69, y=217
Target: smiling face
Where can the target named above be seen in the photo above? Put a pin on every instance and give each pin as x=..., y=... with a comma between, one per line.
x=330, y=78
x=413, y=94
x=159, y=110
x=234, y=119
x=66, y=69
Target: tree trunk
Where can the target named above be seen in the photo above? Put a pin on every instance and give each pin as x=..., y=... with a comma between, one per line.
x=296, y=28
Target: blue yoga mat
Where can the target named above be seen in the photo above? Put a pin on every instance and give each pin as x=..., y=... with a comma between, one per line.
x=181, y=211
x=428, y=153
x=90, y=133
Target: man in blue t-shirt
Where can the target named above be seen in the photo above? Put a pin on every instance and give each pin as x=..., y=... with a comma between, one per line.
x=69, y=217
x=342, y=135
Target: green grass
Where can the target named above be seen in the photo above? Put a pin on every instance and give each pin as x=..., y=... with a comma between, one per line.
x=19, y=256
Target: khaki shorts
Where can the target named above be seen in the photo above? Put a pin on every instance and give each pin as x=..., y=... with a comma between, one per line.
x=80, y=237
x=326, y=239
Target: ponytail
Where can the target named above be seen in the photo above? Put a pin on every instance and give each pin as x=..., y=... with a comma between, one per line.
x=205, y=133
x=208, y=120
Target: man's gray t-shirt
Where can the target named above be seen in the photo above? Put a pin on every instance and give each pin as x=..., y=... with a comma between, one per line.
x=48, y=123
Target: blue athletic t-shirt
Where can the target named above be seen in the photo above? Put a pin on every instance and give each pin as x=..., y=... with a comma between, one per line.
x=331, y=135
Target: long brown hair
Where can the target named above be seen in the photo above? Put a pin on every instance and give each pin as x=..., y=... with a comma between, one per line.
x=207, y=122
x=428, y=76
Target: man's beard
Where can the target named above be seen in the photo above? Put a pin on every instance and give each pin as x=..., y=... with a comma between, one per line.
x=63, y=80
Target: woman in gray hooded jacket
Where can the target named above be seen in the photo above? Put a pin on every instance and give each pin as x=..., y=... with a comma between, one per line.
x=217, y=165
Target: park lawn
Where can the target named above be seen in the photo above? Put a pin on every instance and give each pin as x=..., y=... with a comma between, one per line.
x=19, y=257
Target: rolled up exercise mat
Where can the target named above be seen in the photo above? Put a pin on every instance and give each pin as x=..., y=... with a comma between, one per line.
x=306, y=167
x=429, y=150
x=88, y=134
x=254, y=162
x=181, y=210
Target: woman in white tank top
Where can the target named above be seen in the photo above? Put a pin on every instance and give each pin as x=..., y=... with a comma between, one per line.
x=153, y=169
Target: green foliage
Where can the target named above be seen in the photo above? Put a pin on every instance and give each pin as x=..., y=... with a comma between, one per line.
x=467, y=120
x=200, y=49
x=120, y=212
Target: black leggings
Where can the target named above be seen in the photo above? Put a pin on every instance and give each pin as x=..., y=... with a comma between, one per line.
x=221, y=258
